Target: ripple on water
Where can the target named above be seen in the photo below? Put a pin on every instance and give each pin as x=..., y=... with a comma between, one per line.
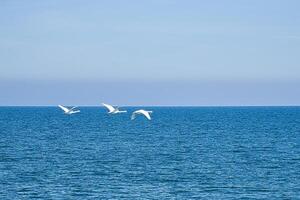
x=183, y=153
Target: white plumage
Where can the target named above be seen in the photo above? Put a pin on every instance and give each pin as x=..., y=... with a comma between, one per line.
x=113, y=110
x=141, y=112
x=69, y=111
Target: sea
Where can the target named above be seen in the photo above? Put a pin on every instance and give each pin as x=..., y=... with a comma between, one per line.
x=182, y=153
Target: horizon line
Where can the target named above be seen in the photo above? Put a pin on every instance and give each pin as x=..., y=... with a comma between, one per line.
x=289, y=105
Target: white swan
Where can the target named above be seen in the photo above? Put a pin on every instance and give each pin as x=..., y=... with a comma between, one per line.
x=69, y=111
x=113, y=110
x=141, y=112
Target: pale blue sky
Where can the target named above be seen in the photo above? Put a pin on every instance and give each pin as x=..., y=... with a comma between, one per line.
x=158, y=52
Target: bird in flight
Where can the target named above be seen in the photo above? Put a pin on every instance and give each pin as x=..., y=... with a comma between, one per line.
x=69, y=111
x=113, y=110
x=141, y=112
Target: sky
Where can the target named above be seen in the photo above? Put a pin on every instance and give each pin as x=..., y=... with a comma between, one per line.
x=158, y=52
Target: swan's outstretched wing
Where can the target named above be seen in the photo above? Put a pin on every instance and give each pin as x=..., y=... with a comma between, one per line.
x=64, y=108
x=109, y=107
x=146, y=114
x=73, y=108
x=142, y=112
x=73, y=112
x=133, y=115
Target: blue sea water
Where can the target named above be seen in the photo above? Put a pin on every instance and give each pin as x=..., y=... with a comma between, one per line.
x=183, y=153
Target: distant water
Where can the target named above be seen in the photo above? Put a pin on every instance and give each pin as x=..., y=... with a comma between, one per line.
x=183, y=153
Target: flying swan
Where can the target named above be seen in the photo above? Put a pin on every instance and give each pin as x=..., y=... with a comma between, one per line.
x=141, y=112
x=69, y=111
x=113, y=110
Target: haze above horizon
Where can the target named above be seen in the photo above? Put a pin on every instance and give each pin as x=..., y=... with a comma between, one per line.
x=150, y=53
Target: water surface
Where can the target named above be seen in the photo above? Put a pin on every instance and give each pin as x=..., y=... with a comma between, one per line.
x=183, y=153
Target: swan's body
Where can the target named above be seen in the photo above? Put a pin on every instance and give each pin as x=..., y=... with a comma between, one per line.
x=69, y=111
x=141, y=112
x=113, y=110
